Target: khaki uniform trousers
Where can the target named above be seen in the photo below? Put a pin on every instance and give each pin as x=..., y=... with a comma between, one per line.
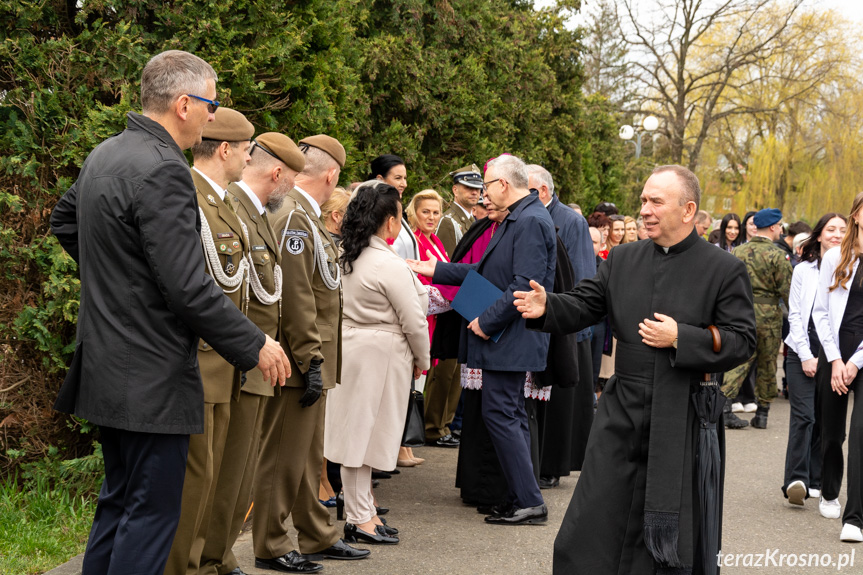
x=442, y=392
x=233, y=489
x=205, y=458
x=288, y=478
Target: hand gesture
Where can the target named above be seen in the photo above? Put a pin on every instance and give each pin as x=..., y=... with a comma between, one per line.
x=531, y=304
x=659, y=333
x=425, y=268
x=837, y=377
x=273, y=362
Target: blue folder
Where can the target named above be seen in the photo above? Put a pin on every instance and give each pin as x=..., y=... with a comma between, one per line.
x=476, y=295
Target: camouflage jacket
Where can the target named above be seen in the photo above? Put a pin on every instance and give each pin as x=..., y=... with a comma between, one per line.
x=769, y=270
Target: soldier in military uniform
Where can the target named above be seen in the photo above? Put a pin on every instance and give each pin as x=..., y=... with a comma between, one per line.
x=770, y=275
x=276, y=161
x=292, y=444
x=466, y=188
x=218, y=160
x=443, y=385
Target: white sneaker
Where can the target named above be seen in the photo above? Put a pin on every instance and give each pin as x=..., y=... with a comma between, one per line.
x=796, y=492
x=814, y=493
x=851, y=534
x=737, y=407
x=750, y=408
x=829, y=509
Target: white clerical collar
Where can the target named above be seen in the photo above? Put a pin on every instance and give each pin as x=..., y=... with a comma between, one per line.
x=312, y=201
x=214, y=185
x=466, y=213
x=252, y=196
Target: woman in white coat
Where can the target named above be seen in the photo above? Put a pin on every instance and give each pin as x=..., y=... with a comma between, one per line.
x=838, y=317
x=803, y=454
x=384, y=341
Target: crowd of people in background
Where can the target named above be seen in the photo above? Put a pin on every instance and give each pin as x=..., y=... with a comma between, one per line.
x=343, y=299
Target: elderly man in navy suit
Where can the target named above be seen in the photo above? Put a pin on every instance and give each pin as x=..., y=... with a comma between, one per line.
x=522, y=248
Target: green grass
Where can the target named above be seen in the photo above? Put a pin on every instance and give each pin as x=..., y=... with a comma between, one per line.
x=41, y=526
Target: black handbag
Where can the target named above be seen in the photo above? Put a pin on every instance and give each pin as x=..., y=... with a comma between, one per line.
x=415, y=426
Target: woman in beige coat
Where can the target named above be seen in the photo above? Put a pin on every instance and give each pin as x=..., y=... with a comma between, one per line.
x=384, y=339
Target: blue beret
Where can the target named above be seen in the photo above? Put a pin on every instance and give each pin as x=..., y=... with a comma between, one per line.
x=767, y=217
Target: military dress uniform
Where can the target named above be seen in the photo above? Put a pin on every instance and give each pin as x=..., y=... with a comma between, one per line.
x=224, y=247
x=452, y=227
x=770, y=276
x=234, y=480
x=289, y=465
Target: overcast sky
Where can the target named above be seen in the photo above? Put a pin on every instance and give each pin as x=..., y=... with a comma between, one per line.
x=851, y=9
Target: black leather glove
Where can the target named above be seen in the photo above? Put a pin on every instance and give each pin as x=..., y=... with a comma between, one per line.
x=314, y=384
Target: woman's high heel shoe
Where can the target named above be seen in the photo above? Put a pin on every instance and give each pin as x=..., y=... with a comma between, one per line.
x=340, y=506
x=354, y=534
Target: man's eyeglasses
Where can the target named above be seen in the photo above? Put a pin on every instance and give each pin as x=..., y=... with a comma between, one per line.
x=212, y=105
x=485, y=185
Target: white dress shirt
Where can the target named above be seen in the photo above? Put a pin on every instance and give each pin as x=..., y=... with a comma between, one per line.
x=830, y=307
x=804, y=286
x=245, y=187
x=219, y=190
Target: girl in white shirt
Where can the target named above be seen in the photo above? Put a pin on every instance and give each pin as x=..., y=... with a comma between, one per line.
x=803, y=454
x=838, y=316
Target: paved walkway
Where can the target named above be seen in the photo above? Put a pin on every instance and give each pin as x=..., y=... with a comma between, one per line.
x=440, y=535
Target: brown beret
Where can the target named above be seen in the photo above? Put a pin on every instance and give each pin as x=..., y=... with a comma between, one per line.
x=329, y=145
x=283, y=148
x=229, y=126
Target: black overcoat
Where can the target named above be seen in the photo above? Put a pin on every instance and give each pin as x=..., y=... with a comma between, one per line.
x=131, y=222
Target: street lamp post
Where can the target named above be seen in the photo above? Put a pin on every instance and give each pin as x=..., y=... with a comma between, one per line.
x=649, y=124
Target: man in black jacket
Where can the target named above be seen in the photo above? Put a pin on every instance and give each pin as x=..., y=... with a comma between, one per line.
x=131, y=223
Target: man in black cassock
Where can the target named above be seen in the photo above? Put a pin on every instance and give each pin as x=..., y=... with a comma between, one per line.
x=636, y=505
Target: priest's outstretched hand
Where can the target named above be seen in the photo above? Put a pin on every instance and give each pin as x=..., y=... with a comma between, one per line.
x=424, y=268
x=531, y=304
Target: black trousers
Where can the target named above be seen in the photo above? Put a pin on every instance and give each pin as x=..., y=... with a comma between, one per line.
x=803, y=455
x=139, y=504
x=834, y=409
x=504, y=415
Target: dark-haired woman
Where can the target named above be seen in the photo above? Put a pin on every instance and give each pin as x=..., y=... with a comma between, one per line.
x=803, y=455
x=838, y=316
x=391, y=170
x=729, y=232
x=385, y=342
x=748, y=230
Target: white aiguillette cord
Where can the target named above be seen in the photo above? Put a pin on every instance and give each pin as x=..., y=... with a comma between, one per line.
x=235, y=281
x=320, y=258
x=257, y=287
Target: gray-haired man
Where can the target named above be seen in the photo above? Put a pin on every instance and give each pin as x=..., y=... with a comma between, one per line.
x=130, y=221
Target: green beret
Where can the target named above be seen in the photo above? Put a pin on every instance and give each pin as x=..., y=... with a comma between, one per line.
x=283, y=148
x=229, y=126
x=329, y=145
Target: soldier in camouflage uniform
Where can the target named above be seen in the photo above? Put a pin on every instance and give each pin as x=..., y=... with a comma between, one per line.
x=770, y=275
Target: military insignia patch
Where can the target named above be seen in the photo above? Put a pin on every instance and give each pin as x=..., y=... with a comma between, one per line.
x=224, y=235
x=296, y=233
x=259, y=248
x=236, y=245
x=211, y=199
x=223, y=247
x=295, y=245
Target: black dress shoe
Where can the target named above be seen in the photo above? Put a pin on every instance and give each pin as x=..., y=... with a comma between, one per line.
x=354, y=534
x=527, y=516
x=446, y=441
x=381, y=510
x=387, y=528
x=549, y=482
x=291, y=562
x=501, y=509
x=380, y=475
x=237, y=571
x=341, y=550
x=394, y=471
